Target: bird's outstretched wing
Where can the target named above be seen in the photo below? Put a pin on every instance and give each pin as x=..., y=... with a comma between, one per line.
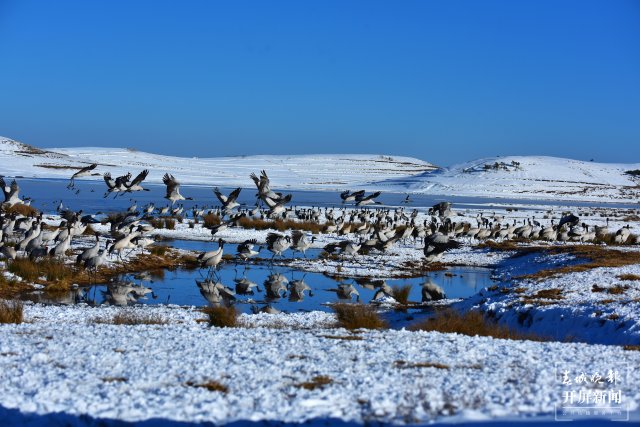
x=223, y=199
x=138, y=179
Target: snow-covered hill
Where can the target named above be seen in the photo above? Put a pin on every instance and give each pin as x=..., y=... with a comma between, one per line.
x=518, y=177
x=535, y=177
x=322, y=172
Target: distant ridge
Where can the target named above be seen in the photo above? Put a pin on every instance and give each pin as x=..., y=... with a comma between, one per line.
x=319, y=171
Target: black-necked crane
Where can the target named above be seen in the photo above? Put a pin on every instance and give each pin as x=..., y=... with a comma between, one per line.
x=10, y=193
x=437, y=244
x=278, y=243
x=211, y=259
x=85, y=171
x=300, y=242
x=173, y=189
x=348, y=196
x=245, y=249
x=368, y=200
x=117, y=185
x=89, y=252
x=135, y=184
x=228, y=202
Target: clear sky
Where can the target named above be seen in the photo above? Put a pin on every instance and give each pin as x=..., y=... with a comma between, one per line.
x=445, y=81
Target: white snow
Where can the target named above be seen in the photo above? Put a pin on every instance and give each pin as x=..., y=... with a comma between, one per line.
x=297, y=172
x=62, y=361
x=536, y=177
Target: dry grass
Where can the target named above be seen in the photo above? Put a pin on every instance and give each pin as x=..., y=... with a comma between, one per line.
x=158, y=250
x=11, y=312
x=211, y=385
x=319, y=381
x=403, y=364
x=211, y=220
x=50, y=269
x=358, y=316
x=168, y=223
x=544, y=294
x=58, y=276
x=471, y=323
x=222, y=317
x=614, y=290
x=129, y=318
x=401, y=293
x=631, y=347
x=21, y=209
x=598, y=256
x=343, y=337
x=629, y=277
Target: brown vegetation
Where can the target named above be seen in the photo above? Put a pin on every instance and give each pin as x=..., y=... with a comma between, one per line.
x=21, y=209
x=11, y=312
x=343, y=337
x=316, y=382
x=130, y=318
x=211, y=385
x=598, y=256
x=358, y=316
x=403, y=364
x=471, y=323
x=544, y=294
x=222, y=317
x=629, y=277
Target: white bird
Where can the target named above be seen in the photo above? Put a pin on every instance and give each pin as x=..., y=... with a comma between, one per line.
x=278, y=243
x=173, y=189
x=437, y=244
x=10, y=192
x=245, y=249
x=85, y=171
x=228, y=202
x=135, y=184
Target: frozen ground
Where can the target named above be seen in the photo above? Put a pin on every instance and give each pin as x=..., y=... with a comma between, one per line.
x=595, y=306
x=61, y=361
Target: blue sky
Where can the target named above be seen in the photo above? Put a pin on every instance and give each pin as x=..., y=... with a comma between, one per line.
x=445, y=81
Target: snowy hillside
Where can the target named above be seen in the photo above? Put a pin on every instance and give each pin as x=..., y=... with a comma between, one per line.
x=519, y=177
x=536, y=177
x=302, y=172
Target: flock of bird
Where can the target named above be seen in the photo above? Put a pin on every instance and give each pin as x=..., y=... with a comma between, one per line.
x=355, y=232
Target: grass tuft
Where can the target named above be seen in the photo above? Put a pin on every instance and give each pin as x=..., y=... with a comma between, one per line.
x=11, y=312
x=222, y=317
x=629, y=277
x=128, y=318
x=316, y=382
x=358, y=316
x=211, y=385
